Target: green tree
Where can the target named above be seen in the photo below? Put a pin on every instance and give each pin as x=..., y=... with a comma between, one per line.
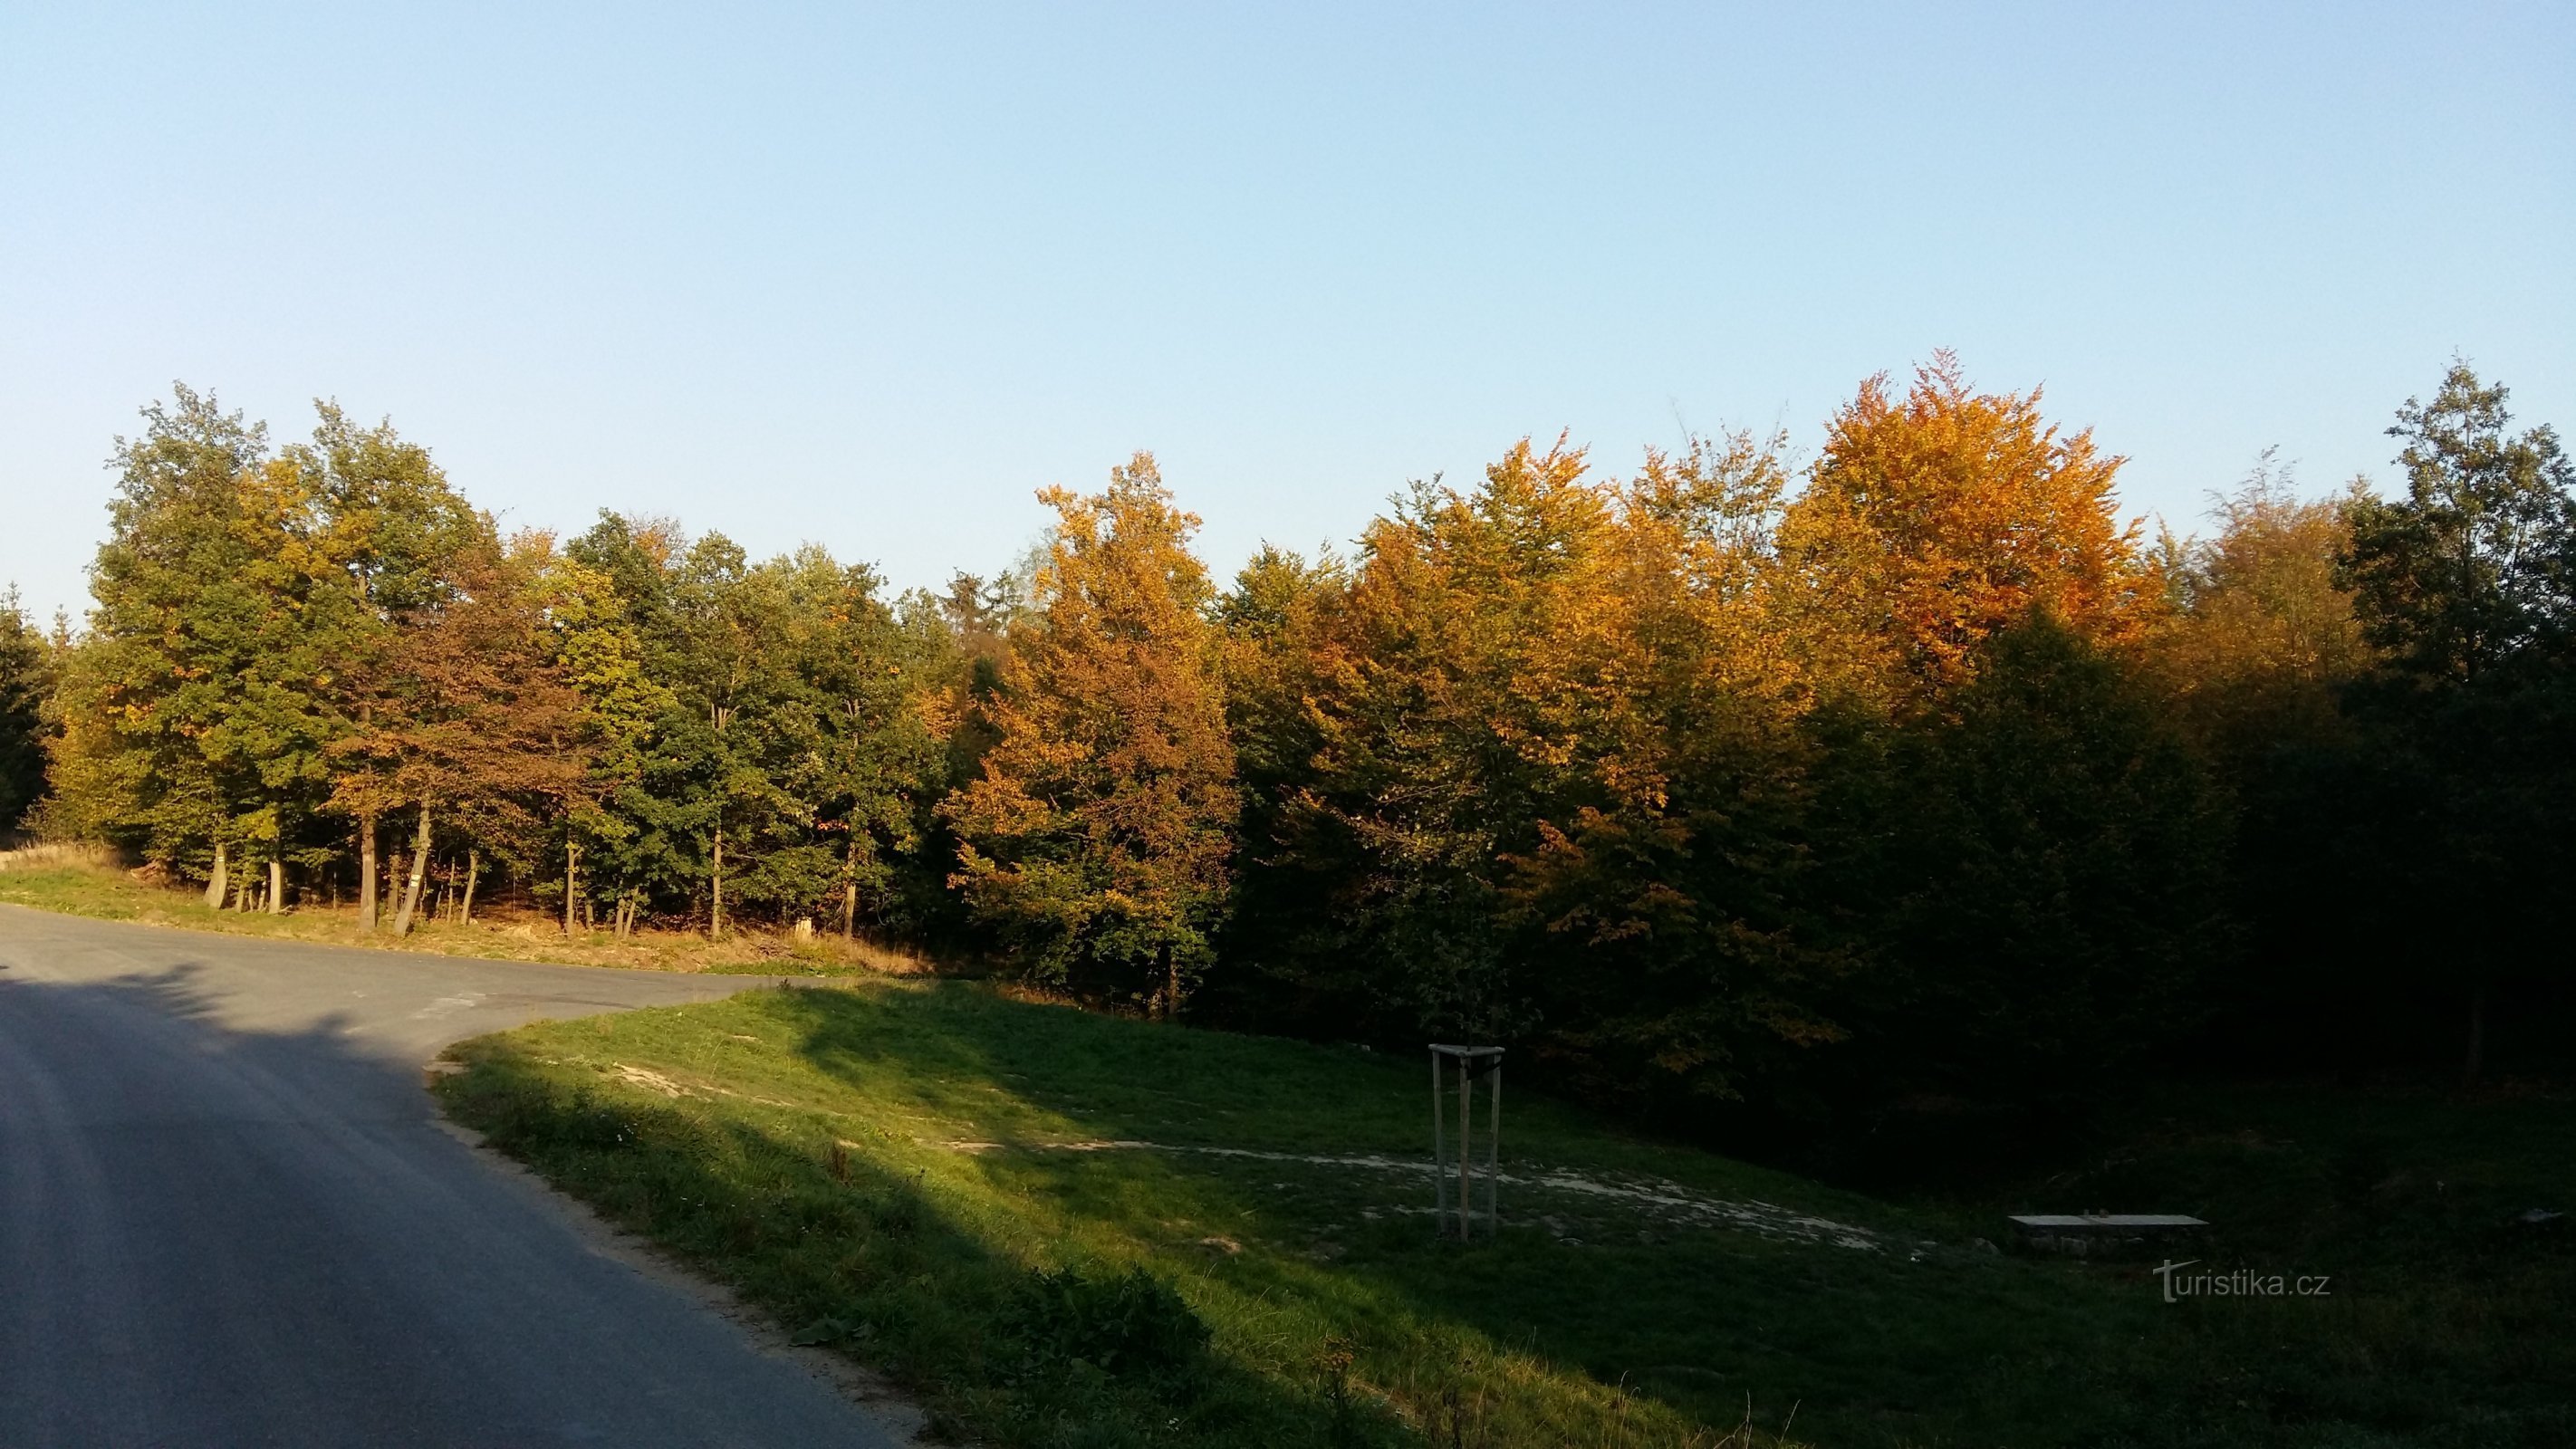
x=2053, y=892
x=2476, y=565
x=2448, y=821
x=874, y=756
x=183, y=593
x=26, y=690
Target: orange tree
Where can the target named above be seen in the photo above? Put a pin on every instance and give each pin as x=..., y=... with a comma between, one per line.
x=1095, y=841
x=1936, y=519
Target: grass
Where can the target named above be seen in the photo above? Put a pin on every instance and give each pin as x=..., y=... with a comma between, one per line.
x=926, y=1176
x=78, y=881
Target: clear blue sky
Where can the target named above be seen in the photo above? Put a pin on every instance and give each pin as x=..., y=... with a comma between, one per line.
x=869, y=277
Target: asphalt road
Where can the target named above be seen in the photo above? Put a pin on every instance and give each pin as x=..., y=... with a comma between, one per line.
x=228, y=1217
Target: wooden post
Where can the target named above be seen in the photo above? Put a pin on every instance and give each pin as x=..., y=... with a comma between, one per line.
x=1439, y=1152
x=572, y=880
x=367, y=871
x=1470, y=1062
x=1494, y=1154
x=1466, y=1152
x=715, y=911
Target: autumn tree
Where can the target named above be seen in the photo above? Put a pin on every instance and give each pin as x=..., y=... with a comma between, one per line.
x=467, y=714
x=1935, y=519
x=2262, y=634
x=1449, y=710
x=389, y=535
x=1528, y=773
x=1664, y=915
x=1095, y=840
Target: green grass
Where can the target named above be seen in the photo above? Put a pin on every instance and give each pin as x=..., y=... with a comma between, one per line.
x=936, y=1248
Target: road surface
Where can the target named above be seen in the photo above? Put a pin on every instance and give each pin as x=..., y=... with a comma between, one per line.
x=229, y=1217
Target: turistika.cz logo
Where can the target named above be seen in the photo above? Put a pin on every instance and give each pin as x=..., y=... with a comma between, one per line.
x=2242, y=1283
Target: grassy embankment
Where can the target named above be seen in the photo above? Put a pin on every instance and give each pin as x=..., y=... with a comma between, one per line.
x=77, y=885
x=955, y=1186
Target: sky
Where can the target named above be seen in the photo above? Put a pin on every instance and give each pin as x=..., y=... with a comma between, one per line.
x=871, y=277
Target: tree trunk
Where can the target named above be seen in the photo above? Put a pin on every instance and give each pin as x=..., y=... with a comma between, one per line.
x=715, y=911
x=215, y=880
x=473, y=872
x=2476, y=1061
x=419, y=869
x=1171, y=985
x=850, y=889
x=367, y=872
x=572, y=881
x=276, y=886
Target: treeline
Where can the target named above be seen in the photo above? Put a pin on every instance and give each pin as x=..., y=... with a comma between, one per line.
x=1733, y=787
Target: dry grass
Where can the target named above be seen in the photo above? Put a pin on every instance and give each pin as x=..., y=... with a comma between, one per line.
x=83, y=880
x=52, y=856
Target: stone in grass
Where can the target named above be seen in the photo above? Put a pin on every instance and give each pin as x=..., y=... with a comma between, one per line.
x=2098, y=1235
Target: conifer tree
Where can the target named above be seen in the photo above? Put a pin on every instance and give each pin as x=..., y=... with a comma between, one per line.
x=26, y=688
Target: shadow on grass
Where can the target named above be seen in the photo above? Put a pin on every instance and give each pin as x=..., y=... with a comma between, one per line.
x=1661, y=1336
x=851, y=1253
x=2453, y=1320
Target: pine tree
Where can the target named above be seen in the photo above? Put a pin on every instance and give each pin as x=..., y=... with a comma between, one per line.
x=26, y=689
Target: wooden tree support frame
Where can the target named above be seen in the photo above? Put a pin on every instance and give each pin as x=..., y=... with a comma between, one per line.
x=1467, y=1064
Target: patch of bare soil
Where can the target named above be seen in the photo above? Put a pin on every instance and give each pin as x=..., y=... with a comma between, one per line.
x=1650, y=1197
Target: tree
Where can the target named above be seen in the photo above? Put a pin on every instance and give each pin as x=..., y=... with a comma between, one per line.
x=1452, y=707
x=2477, y=564
x=390, y=532
x=1933, y=521
x=2054, y=889
x=875, y=755
x=182, y=588
x=2262, y=634
x=469, y=714
x=1095, y=841
x=2455, y=805
x=26, y=688
x=598, y=648
x=1672, y=955
x=1531, y=774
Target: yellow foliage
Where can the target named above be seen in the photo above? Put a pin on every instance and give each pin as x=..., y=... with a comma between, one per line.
x=1934, y=519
